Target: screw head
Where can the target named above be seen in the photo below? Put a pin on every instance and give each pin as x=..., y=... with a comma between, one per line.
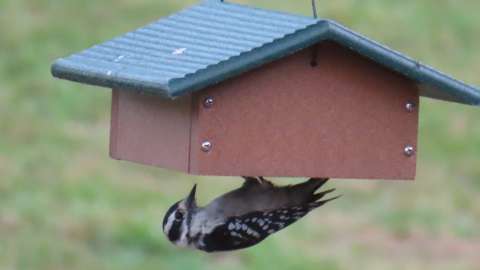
x=208, y=102
x=410, y=106
x=206, y=146
x=409, y=150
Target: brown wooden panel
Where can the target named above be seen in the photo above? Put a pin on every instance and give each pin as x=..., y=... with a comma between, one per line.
x=150, y=130
x=345, y=118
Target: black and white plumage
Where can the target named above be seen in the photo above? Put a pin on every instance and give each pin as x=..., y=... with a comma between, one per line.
x=243, y=217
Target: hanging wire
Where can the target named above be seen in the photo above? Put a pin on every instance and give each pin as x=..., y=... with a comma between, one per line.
x=314, y=62
x=314, y=8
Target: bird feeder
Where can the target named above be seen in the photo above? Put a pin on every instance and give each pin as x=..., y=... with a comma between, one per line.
x=226, y=89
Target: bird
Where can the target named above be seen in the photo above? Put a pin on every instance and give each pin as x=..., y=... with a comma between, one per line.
x=243, y=217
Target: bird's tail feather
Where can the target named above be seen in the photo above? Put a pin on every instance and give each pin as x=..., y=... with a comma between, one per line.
x=315, y=184
x=318, y=196
x=322, y=202
x=316, y=199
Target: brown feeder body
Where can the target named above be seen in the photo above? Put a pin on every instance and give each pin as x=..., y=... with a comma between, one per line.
x=344, y=118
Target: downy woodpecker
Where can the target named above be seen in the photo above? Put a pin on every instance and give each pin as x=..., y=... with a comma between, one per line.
x=243, y=217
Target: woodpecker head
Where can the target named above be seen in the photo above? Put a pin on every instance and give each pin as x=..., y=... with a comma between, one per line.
x=176, y=223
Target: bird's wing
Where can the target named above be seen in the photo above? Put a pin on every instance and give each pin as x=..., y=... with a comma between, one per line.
x=252, y=228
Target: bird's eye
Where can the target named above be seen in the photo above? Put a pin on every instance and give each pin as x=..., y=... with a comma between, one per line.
x=178, y=215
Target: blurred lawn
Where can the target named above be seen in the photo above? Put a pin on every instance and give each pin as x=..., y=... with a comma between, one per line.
x=65, y=205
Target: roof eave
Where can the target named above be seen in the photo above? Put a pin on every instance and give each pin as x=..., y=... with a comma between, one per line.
x=62, y=69
x=450, y=88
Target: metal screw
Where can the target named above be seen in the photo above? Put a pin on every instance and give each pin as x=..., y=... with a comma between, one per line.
x=410, y=106
x=206, y=146
x=208, y=102
x=409, y=151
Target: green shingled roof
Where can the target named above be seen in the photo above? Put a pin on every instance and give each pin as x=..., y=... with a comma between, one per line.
x=213, y=41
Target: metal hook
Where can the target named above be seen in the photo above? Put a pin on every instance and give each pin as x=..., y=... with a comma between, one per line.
x=314, y=9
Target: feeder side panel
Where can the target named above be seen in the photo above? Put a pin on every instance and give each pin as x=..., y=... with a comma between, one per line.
x=345, y=118
x=150, y=130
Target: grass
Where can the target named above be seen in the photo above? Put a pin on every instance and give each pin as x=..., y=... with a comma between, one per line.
x=65, y=205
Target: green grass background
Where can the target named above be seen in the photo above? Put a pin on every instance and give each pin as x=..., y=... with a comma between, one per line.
x=65, y=205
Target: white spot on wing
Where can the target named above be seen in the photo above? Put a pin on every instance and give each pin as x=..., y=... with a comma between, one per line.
x=252, y=232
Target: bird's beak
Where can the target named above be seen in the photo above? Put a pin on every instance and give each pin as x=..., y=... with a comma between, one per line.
x=190, y=201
